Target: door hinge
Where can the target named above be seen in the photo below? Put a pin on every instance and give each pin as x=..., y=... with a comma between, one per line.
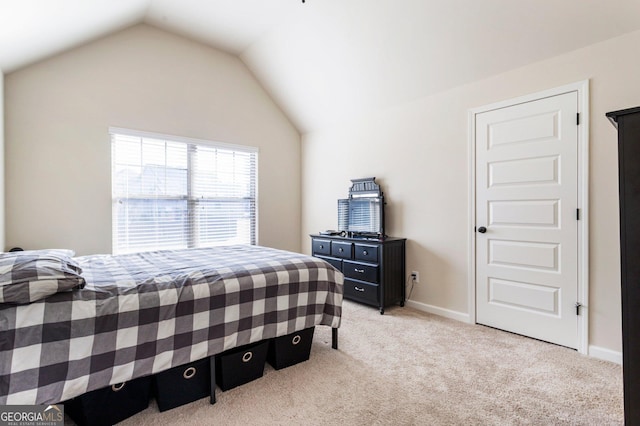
x=578, y=306
x=578, y=119
x=577, y=214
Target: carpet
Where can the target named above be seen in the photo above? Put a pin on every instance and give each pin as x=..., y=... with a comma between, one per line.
x=407, y=367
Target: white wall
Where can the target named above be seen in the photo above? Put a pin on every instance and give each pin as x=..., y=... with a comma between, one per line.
x=419, y=153
x=57, y=144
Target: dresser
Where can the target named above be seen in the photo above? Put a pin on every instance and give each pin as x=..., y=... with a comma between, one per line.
x=628, y=124
x=374, y=270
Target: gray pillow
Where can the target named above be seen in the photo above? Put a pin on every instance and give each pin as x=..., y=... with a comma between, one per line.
x=27, y=276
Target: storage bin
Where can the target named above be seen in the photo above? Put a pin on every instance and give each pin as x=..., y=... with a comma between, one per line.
x=291, y=349
x=241, y=365
x=183, y=384
x=110, y=405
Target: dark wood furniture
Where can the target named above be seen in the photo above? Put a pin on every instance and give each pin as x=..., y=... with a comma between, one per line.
x=374, y=270
x=628, y=123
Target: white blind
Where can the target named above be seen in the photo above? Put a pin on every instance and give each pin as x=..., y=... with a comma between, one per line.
x=170, y=194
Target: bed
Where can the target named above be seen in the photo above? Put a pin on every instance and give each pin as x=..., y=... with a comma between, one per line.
x=126, y=316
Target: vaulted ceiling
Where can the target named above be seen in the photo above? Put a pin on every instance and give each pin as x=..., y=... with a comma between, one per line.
x=325, y=61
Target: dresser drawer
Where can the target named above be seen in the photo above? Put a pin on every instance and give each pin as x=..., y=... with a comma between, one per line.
x=360, y=271
x=365, y=252
x=321, y=246
x=341, y=249
x=365, y=292
x=336, y=263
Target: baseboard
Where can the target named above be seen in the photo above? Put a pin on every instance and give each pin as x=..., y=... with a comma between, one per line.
x=447, y=313
x=605, y=354
x=594, y=351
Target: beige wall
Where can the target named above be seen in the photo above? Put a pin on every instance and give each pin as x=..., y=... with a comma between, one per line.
x=2, y=230
x=58, y=112
x=419, y=153
x=57, y=172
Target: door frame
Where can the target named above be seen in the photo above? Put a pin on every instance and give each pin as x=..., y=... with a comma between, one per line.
x=582, y=89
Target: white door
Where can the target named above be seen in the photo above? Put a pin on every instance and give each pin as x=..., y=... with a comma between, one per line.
x=527, y=199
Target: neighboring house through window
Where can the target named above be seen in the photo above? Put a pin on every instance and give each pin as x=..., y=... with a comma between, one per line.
x=172, y=192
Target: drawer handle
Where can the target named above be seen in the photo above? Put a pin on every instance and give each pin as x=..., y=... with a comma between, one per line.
x=359, y=270
x=340, y=249
x=358, y=288
x=189, y=372
x=296, y=339
x=118, y=387
x=247, y=356
x=364, y=252
x=321, y=246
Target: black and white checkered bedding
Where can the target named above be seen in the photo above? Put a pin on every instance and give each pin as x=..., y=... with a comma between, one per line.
x=143, y=313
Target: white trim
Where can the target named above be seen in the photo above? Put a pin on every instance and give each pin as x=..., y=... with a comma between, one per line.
x=183, y=139
x=605, y=354
x=583, y=225
x=447, y=313
x=582, y=89
x=471, y=239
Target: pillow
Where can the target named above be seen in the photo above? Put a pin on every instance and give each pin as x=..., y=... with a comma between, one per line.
x=27, y=276
x=55, y=252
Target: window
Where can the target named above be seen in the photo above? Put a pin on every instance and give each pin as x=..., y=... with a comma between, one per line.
x=171, y=193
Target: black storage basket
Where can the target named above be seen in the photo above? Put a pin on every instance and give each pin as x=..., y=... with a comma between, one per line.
x=110, y=405
x=183, y=384
x=241, y=365
x=291, y=349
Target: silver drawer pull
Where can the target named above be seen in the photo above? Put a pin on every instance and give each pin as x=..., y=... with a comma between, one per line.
x=364, y=252
x=359, y=270
x=296, y=339
x=247, y=356
x=118, y=387
x=321, y=246
x=189, y=372
x=359, y=289
x=340, y=249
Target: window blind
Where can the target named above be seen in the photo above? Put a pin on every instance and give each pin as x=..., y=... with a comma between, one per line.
x=176, y=193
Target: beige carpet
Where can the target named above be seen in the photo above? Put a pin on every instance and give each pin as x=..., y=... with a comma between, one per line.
x=411, y=368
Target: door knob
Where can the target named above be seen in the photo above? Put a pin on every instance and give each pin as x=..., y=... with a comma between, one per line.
x=482, y=230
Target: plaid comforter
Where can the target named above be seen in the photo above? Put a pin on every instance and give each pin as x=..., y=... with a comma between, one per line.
x=143, y=313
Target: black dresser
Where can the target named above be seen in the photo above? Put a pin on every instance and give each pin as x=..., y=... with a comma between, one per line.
x=628, y=123
x=374, y=270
